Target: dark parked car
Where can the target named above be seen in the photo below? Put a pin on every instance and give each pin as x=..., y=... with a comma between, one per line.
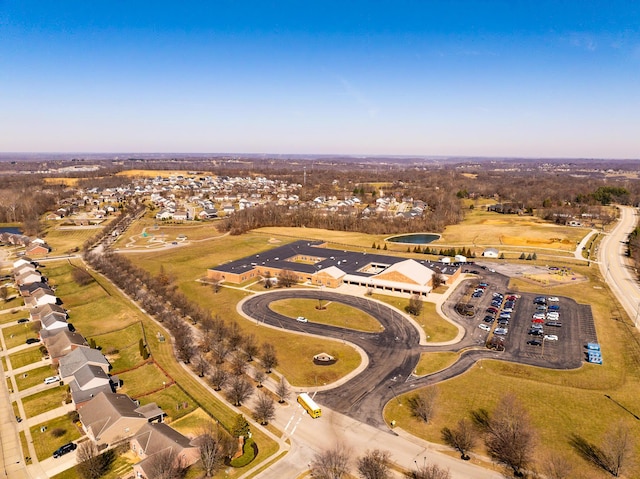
x=557, y=324
x=535, y=342
x=489, y=319
x=32, y=340
x=23, y=320
x=62, y=450
x=536, y=332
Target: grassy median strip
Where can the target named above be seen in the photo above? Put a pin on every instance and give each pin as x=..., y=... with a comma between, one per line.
x=433, y=362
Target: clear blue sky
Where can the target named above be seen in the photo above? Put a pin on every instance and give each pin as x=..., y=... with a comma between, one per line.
x=538, y=78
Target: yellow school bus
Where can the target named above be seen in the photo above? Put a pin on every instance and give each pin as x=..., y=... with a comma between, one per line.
x=310, y=405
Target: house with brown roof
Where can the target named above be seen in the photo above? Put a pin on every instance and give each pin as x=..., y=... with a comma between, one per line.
x=41, y=297
x=62, y=343
x=158, y=438
x=38, y=249
x=110, y=418
x=40, y=312
x=51, y=324
x=27, y=290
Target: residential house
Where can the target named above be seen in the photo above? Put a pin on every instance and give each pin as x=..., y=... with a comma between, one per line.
x=109, y=418
x=51, y=324
x=62, y=343
x=38, y=249
x=78, y=358
x=40, y=312
x=88, y=382
x=159, y=438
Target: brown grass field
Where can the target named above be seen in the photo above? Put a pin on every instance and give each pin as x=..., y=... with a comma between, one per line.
x=161, y=173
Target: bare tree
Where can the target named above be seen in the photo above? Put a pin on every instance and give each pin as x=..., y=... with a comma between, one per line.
x=185, y=346
x=201, y=364
x=374, y=465
x=462, y=437
x=331, y=464
x=436, y=280
x=216, y=445
x=423, y=403
x=287, y=278
x=250, y=347
x=219, y=378
x=91, y=465
x=555, y=466
x=4, y=293
x=509, y=435
x=614, y=452
x=239, y=390
x=219, y=350
x=282, y=390
x=265, y=410
x=216, y=285
x=259, y=377
x=269, y=358
x=166, y=465
x=238, y=364
x=429, y=471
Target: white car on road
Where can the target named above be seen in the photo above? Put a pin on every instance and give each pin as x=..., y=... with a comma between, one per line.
x=302, y=319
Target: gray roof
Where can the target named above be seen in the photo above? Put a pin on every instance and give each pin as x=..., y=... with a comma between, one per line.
x=38, y=312
x=61, y=340
x=77, y=358
x=50, y=320
x=88, y=373
x=80, y=396
x=351, y=262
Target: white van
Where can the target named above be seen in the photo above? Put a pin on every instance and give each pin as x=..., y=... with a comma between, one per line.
x=51, y=379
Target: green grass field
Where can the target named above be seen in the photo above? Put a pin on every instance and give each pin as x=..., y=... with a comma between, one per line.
x=44, y=401
x=14, y=302
x=334, y=314
x=46, y=442
x=121, y=347
x=26, y=356
x=171, y=400
x=433, y=362
x=65, y=240
x=142, y=380
x=34, y=377
x=17, y=334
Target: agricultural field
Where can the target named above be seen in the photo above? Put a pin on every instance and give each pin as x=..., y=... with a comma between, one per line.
x=482, y=229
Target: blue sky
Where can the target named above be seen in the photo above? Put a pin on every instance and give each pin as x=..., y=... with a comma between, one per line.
x=484, y=78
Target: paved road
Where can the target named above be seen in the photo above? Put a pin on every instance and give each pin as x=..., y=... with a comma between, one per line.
x=393, y=353
x=615, y=266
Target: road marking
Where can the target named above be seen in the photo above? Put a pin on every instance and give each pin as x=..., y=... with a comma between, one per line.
x=294, y=427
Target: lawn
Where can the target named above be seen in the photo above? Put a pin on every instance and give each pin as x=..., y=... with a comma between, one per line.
x=193, y=423
x=121, y=347
x=171, y=400
x=146, y=230
x=334, y=314
x=44, y=401
x=432, y=362
x=561, y=403
x=17, y=334
x=67, y=239
x=26, y=356
x=14, y=302
x=142, y=380
x=34, y=377
x=122, y=466
x=48, y=441
x=98, y=299
x=436, y=328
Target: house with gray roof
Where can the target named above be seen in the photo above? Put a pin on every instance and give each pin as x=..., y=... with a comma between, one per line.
x=159, y=438
x=110, y=418
x=39, y=312
x=62, y=343
x=78, y=358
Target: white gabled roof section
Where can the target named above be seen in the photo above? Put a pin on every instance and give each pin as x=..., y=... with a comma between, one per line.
x=333, y=271
x=411, y=269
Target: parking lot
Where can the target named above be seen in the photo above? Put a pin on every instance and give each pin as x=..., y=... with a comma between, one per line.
x=523, y=338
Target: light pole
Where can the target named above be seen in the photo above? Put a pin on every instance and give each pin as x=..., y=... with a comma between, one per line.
x=394, y=394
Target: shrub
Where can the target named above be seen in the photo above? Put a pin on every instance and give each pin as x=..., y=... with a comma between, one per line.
x=249, y=453
x=58, y=432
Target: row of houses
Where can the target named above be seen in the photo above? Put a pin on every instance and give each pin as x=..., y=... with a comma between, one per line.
x=35, y=247
x=108, y=418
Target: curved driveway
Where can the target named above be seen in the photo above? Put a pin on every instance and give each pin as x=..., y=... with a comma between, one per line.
x=393, y=353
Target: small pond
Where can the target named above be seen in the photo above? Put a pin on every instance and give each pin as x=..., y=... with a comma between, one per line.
x=10, y=229
x=414, y=238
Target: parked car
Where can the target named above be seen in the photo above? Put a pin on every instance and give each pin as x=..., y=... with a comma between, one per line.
x=23, y=320
x=553, y=299
x=556, y=324
x=554, y=307
x=484, y=327
x=553, y=316
x=52, y=379
x=489, y=319
x=541, y=307
x=550, y=337
x=32, y=340
x=62, y=450
x=538, y=316
x=492, y=310
x=536, y=326
x=302, y=319
x=534, y=342
x=536, y=332
x=501, y=331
